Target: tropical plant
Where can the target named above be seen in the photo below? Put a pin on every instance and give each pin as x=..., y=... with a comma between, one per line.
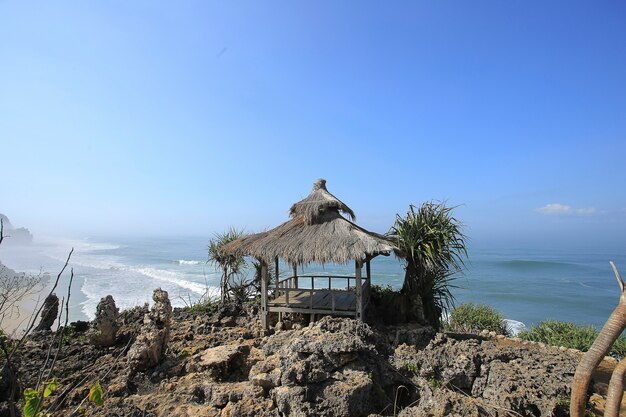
x=562, y=333
x=473, y=318
x=230, y=265
x=433, y=246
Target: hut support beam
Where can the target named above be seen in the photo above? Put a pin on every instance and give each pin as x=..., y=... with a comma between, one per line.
x=294, y=268
x=358, y=264
x=264, y=309
x=368, y=272
x=276, y=279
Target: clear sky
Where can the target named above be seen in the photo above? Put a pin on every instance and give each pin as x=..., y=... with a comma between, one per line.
x=145, y=117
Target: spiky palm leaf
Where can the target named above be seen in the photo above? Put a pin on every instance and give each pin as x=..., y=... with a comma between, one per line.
x=430, y=240
x=230, y=265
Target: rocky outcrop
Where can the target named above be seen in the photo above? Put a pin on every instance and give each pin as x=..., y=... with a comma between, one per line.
x=323, y=369
x=187, y=363
x=104, y=327
x=17, y=236
x=148, y=349
x=477, y=375
x=48, y=313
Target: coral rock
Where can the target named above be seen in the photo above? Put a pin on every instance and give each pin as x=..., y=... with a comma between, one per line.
x=105, y=324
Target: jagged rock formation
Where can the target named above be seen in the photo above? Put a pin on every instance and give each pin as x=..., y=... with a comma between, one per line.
x=48, y=313
x=104, y=327
x=219, y=365
x=19, y=236
x=483, y=378
x=148, y=349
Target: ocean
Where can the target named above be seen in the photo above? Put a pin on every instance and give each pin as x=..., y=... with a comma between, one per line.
x=526, y=285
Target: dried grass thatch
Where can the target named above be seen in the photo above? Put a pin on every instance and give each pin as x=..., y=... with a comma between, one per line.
x=317, y=232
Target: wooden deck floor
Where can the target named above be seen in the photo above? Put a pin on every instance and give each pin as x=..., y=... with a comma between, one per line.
x=321, y=300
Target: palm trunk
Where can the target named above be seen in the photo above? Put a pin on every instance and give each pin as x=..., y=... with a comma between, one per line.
x=600, y=348
x=615, y=391
x=412, y=294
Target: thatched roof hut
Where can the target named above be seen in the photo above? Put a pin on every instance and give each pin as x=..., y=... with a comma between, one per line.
x=316, y=233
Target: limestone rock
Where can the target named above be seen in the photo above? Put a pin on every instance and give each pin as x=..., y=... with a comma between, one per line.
x=150, y=346
x=514, y=380
x=220, y=361
x=105, y=326
x=48, y=313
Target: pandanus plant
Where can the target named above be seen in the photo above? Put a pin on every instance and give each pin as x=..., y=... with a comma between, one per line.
x=612, y=329
x=432, y=243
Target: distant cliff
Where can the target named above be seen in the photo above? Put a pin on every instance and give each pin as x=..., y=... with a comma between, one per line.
x=16, y=236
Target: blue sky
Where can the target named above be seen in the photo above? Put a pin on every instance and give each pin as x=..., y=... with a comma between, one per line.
x=186, y=117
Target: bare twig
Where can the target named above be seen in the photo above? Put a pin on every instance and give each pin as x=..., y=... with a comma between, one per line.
x=67, y=315
x=45, y=364
x=110, y=368
x=1, y=230
x=38, y=311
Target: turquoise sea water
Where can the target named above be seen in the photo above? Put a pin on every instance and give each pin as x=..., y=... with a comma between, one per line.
x=526, y=285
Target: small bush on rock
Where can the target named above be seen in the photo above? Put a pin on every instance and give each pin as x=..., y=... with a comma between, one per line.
x=379, y=293
x=570, y=335
x=473, y=318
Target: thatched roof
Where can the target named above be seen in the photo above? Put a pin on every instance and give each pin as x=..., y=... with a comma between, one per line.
x=316, y=232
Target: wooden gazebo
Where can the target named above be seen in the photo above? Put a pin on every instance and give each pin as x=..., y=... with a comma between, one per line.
x=316, y=233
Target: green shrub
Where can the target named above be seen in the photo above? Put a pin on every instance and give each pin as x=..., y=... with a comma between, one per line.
x=473, y=318
x=202, y=306
x=570, y=335
x=378, y=292
x=619, y=347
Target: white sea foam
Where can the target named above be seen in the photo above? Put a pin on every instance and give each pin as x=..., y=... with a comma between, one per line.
x=515, y=326
x=188, y=262
x=172, y=277
x=129, y=283
x=132, y=286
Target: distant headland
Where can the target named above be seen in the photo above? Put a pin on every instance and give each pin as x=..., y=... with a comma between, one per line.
x=16, y=236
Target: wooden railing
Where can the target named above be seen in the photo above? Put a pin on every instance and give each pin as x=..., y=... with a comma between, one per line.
x=329, y=284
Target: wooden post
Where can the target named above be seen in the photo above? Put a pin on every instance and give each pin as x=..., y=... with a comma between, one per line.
x=264, y=312
x=276, y=279
x=294, y=268
x=359, y=293
x=368, y=272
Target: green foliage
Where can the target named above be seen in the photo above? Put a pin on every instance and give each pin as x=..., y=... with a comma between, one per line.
x=378, y=292
x=34, y=399
x=473, y=318
x=412, y=367
x=433, y=246
x=185, y=353
x=619, y=347
x=434, y=382
x=230, y=265
x=96, y=394
x=31, y=399
x=202, y=306
x=570, y=335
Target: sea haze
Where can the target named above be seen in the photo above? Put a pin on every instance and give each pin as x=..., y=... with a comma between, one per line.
x=526, y=285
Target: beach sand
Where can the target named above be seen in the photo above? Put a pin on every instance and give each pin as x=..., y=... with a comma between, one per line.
x=15, y=321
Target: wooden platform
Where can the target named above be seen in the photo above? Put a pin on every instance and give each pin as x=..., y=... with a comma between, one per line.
x=344, y=301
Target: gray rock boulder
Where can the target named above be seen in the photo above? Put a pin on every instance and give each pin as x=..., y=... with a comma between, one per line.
x=105, y=325
x=149, y=348
x=48, y=313
x=475, y=375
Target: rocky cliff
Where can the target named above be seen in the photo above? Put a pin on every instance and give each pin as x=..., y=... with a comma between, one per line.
x=224, y=364
x=15, y=236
